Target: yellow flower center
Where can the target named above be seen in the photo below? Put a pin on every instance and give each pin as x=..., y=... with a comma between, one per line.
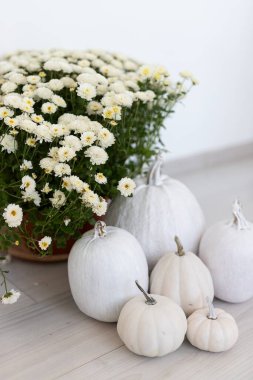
x=13, y=213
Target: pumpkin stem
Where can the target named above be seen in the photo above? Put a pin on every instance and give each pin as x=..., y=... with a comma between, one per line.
x=239, y=219
x=211, y=313
x=180, y=248
x=154, y=175
x=100, y=229
x=149, y=300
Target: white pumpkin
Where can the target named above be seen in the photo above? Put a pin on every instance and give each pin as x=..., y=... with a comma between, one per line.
x=227, y=249
x=212, y=329
x=151, y=327
x=102, y=268
x=184, y=278
x=160, y=208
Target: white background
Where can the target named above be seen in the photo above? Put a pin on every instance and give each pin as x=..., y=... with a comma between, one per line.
x=211, y=38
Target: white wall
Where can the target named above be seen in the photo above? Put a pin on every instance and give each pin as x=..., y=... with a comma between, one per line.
x=212, y=38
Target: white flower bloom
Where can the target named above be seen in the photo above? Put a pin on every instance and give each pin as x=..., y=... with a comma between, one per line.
x=27, y=125
x=17, y=78
x=53, y=152
x=124, y=99
x=94, y=108
x=44, y=93
x=100, y=208
x=28, y=184
x=86, y=91
x=11, y=122
x=88, y=138
x=90, y=198
x=188, y=75
x=49, y=108
x=56, y=130
x=37, y=118
x=106, y=138
x=113, y=112
x=66, y=154
x=13, y=215
x=10, y=297
x=13, y=100
x=58, y=64
x=126, y=186
x=26, y=165
x=5, y=112
x=59, y=101
x=100, y=178
x=68, y=82
x=48, y=164
x=31, y=142
x=55, y=85
x=31, y=197
x=8, y=87
x=46, y=188
x=66, y=221
x=72, y=142
x=59, y=199
x=8, y=143
x=145, y=72
x=43, y=132
x=66, y=118
x=62, y=169
x=97, y=155
x=77, y=184
x=45, y=243
x=33, y=79
x=66, y=183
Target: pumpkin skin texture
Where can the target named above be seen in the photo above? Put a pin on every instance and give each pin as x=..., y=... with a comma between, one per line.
x=160, y=208
x=214, y=335
x=152, y=330
x=184, y=278
x=102, y=268
x=227, y=250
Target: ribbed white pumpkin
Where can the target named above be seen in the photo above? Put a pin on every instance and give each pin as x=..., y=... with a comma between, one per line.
x=227, y=249
x=184, y=278
x=102, y=267
x=152, y=327
x=161, y=208
x=212, y=329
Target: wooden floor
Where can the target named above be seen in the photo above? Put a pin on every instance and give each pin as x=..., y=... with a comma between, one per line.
x=45, y=337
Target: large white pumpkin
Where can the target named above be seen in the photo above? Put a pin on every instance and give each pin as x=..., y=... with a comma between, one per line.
x=184, y=278
x=211, y=329
x=227, y=250
x=102, y=267
x=161, y=208
x=152, y=327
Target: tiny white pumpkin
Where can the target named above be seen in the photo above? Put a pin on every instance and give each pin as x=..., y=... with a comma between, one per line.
x=160, y=208
x=227, y=250
x=152, y=327
x=102, y=268
x=212, y=329
x=184, y=278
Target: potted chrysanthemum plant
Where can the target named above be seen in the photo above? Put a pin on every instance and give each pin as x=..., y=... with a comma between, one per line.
x=76, y=127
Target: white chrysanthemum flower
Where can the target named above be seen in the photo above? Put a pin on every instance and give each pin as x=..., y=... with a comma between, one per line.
x=72, y=142
x=90, y=198
x=59, y=101
x=9, y=143
x=43, y=132
x=37, y=118
x=5, y=112
x=113, y=112
x=77, y=184
x=46, y=188
x=56, y=130
x=28, y=184
x=126, y=186
x=48, y=164
x=49, y=108
x=106, y=138
x=66, y=221
x=68, y=82
x=45, y=242
x=88, y=138
x=145, y=72
x=95, y=127
x=66, y=154
x=100, y=208
x=27, y=125
x=8, y=87
x=100, y=178
x=94, y=108
x=108, y=99
x=62, y=169
x=97, y=155
x=59, y=199
x=58, y=64
x=30, y=141
x=188, y=75
x=26, y=165
x=124, y=99
x=10, y=297
x=53, y=152
x=17, y=78
x=66, y=183
x=33, y=79
x=12, y=100
x=86, y=91
x=44, y=93
x=13, y=215
x=11, y=122
x=66, y=118
x=80, y=125
x=145, y=96
x=31, y=197
x=55, y=85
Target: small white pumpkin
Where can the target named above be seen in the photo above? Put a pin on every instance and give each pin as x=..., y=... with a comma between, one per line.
x=184, y=278
x=160, y=208
x=212, y=329
x=227, y=250
x=151, y=327
x=102, y=268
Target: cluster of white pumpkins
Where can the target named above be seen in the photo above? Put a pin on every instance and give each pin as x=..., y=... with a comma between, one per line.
x=109, y=265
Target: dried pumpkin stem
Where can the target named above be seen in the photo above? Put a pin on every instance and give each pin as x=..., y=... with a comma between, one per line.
x=211, y=312
x=149, y=300
x=239, y=219
x=154, y=176
x=100, y=229
x=180, y=249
